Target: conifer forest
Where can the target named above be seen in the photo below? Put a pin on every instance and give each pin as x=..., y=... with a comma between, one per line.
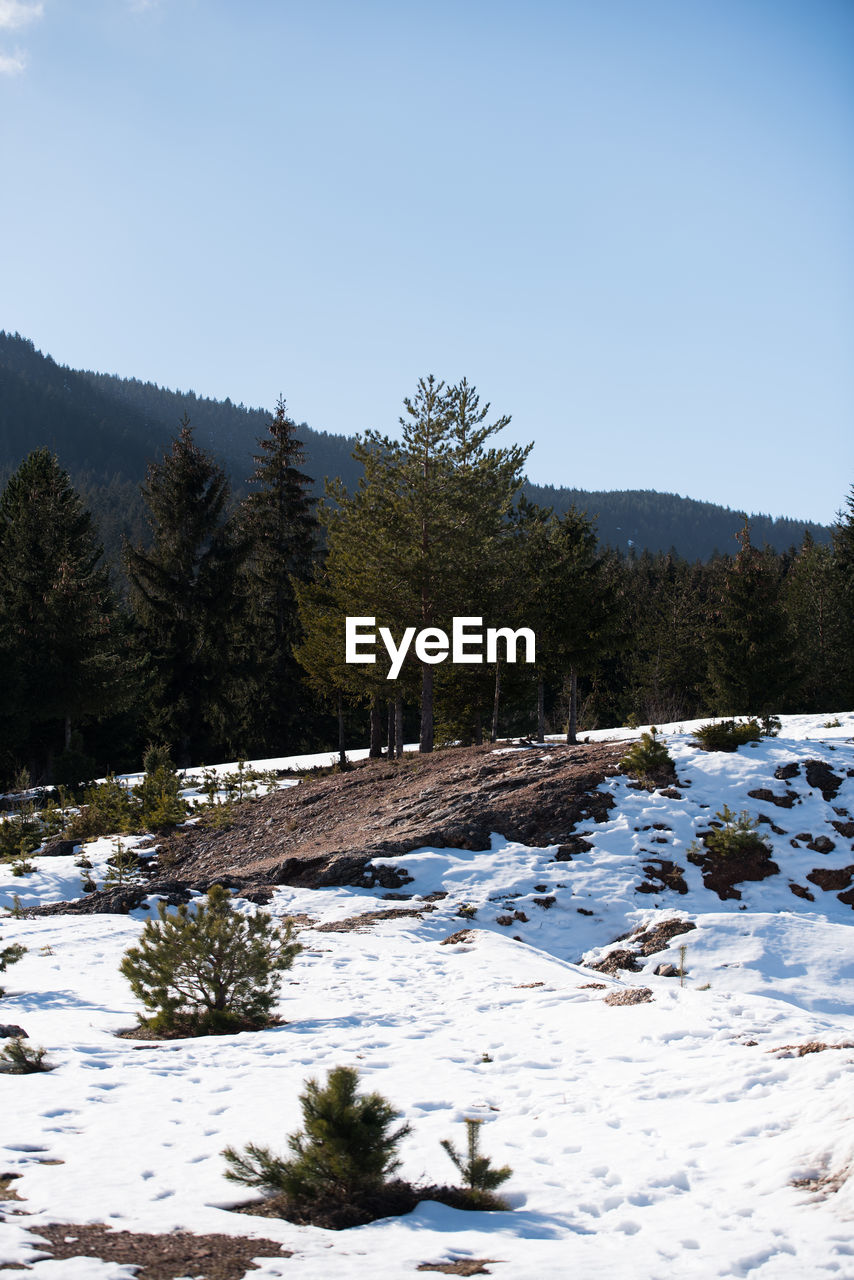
x=219, y=630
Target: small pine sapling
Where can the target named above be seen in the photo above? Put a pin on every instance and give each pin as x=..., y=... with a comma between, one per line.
x=732, y=835
x=123, y=867
x=19, y=1059
x=10, y=955
x=648, y=760
x=158, y=796
x=210, y=970
x=480, y=1179
x=346, y=1151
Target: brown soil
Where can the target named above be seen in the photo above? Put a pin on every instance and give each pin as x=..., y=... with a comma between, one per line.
x=831, y=880
x=390, y=1201
x=160, y=1257
x=461, y=1267
x=722, y=872
x=812, y=1046
x=326, y=830
x=634, y=995
x=662, y=875
x=766, y=795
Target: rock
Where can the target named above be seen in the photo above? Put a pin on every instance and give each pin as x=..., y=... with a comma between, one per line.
x=57, y=849
x=821, y=844
x=768, y=797
x=11, y=1031
x=786, y=771
x=820, y=776
x=666, y=971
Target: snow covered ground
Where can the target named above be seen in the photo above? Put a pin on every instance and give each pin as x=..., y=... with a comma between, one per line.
x=649, y=1140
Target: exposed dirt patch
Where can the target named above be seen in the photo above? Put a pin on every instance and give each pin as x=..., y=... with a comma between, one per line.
x=786, y=771
x=831, y=880
x=358, y=924
x=7, y=1190
x=812, y=1046
x=822, y=1186
x=164, y=1256
x=460, y=1267
x=634, y=995
x=462, y=935
x=327, y=830
x=822, y=778
x=801, y=892
x=661, y=875
x=722, y=872
x=390, y=1201
x=765, y=794
x=845, y=829
x=658, y=937
x=622, y=959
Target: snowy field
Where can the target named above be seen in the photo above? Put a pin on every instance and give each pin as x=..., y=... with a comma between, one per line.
x=647, y=1141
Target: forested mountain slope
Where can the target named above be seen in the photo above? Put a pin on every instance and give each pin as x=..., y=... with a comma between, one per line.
x=106, y=429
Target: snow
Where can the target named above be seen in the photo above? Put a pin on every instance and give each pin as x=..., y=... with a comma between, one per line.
x=646, y=1140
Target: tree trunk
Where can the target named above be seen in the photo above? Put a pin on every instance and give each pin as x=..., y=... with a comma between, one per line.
x=342, y=754
x=425, y=742
x=478, y=728
x=389, y=750
x=496, y=703
x=376, y=747
x=68, y=733
x=541, y=711
x=573, y=707
x=398, y=728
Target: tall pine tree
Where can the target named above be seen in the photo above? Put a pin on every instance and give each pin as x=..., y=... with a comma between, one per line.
x=282, y=531
x=184, y=592
x=61, y=642
x=750, y=644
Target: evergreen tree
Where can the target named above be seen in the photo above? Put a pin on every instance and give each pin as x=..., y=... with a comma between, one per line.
x=184, y=597
x=61, y=637
x=843, y=561
x=416, y=544
x=282, y=532
x=750, y=650
x=820, y=634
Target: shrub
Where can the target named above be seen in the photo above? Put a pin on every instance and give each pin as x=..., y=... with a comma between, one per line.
x=648, y=758
x=123, y=867
x=10, y=955
x=106, y=810
x=735, y=835
x=19, y=1059
x=727, y=735
x=345, y=1152
x=209, y=970
x=158, y=796
x=479, y=1177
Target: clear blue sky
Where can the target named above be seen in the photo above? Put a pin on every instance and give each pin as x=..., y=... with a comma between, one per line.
x=631, y=225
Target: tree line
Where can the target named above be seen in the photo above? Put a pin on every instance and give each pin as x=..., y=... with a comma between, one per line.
x=224, y=634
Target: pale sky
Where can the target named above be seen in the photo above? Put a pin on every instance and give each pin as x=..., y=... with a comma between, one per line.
x=629, y=224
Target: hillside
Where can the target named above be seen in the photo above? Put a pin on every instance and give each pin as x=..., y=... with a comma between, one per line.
x=106, y=429
x=673, y=1045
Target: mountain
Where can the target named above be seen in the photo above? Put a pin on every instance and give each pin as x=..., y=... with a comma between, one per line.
x=105, y=430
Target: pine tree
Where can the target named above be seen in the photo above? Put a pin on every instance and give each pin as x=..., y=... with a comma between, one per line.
x=61, y=637
x=210, y=969
x=750, y=651
x=843, y=561
x=417, y=542
x=282, y=530
x=820, y=633
x=345, y=1151
x=184, y=594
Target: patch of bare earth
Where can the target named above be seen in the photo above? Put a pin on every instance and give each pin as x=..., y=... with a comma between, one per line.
x=633, y=995
x=647, y=940
x=163, y=1256
x=459, y=1267
x=811, y=1046
x=326, y=830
